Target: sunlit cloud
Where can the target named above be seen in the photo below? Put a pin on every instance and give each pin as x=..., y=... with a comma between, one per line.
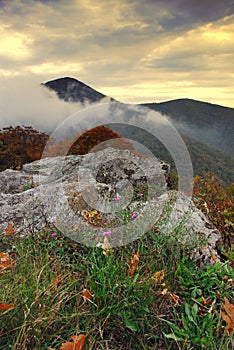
x=55, y=68
x=14, y=45
x=135, y=51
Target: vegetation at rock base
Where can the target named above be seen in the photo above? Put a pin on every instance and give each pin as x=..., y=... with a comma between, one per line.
x=60, y=295
x=217, y=203
x=146, y=295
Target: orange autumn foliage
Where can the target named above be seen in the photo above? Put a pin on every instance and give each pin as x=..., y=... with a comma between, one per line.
x=94, y=139
x=77, y=344
x=20, y=145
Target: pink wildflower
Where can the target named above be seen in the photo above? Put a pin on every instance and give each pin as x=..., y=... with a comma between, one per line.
x=134, y=216
x=117, y=199
x=106, y=233
x=54, y=234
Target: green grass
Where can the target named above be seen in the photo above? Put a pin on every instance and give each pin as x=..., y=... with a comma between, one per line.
x=125, y=313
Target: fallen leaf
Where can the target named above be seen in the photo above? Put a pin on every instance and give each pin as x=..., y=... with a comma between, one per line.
x=164, y=292
x=77, y=344
x=133, y=263
x=106, y=246
x=206, y=302
x=5, y=261
x=229, y=315
x=92, y=217
x=56, y=280
x=10, y=229
x=6, y=306
x=158, y=276
x=87, y=295
x=175, y=298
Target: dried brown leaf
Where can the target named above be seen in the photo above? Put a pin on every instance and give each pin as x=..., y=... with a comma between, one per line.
x=133, y=264
x=229, y=315
x=77, y=344
x=87, y=295
x=10, y=231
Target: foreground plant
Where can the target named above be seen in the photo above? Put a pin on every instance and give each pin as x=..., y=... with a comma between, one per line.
x=146, y=295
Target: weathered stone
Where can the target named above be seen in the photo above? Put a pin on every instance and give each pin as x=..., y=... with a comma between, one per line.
x=65, y=189
x=14, y=181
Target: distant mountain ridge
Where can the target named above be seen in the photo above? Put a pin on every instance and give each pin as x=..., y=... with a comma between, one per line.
x=207, y=129
x=209, y=123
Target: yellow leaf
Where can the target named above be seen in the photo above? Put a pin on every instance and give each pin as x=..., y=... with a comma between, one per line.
x=158, y=276
x=92, y=217
x=206, y=302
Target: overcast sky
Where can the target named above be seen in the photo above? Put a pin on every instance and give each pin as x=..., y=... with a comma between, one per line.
x=134, y=50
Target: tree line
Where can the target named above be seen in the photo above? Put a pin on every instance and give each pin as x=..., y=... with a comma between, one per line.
x=24, y=144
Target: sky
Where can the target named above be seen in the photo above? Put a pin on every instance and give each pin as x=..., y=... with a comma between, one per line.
x=133, y=50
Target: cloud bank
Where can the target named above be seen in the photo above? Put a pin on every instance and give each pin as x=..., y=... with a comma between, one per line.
x=25, y=102
x=134, y=50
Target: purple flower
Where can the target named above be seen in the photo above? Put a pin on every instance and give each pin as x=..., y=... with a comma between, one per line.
x=117, y=199
x=140, y=194
x=106, y=233
x=134, y=216
x=54, y=234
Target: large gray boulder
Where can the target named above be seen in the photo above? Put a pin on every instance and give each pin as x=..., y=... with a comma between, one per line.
x=85, y=196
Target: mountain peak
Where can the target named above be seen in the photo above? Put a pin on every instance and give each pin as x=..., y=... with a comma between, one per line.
x=73, y=90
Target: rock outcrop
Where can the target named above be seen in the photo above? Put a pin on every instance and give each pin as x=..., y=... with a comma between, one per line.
x=86, y=196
